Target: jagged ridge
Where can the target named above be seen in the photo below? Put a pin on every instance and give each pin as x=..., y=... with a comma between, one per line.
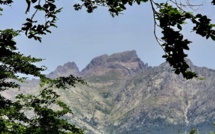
x=126, y=63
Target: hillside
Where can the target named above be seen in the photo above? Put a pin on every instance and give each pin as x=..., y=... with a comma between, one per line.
x=126, y=96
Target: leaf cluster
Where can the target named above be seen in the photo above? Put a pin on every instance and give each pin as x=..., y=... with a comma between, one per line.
x=171, y=21
x=13, y=62
x=31, y=27
x=6, y=2
x=115, y=7
x=45, y=119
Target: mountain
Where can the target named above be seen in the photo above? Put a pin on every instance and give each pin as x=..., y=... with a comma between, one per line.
x=126, y=96
x=126, y=63
x=65, y=70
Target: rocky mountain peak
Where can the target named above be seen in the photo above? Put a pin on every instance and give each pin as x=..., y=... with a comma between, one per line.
x=166, y=66
x=65, y=70
x=126, y=62
x=98, y=61
x=127, y=56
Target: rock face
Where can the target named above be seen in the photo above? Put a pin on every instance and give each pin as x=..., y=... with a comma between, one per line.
x=126, y=63
x=125, y=96
x=65, y=70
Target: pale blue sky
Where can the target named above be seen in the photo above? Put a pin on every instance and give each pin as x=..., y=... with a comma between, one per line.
x=81, y=36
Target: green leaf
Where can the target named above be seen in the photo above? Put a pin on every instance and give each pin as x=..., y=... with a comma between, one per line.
x=33, y=1
x=179, y=27
x=213, y=37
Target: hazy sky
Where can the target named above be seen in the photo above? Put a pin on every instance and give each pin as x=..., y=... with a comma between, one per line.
x=81, y=36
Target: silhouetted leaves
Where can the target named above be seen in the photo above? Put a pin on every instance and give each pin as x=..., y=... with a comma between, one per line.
x=213, y=2
x=63, y=82
x=174, y=42
x=6, y=2
x=115, y=7
x=31, y=27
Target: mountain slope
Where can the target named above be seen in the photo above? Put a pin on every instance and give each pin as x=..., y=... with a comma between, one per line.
x=125, y=96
